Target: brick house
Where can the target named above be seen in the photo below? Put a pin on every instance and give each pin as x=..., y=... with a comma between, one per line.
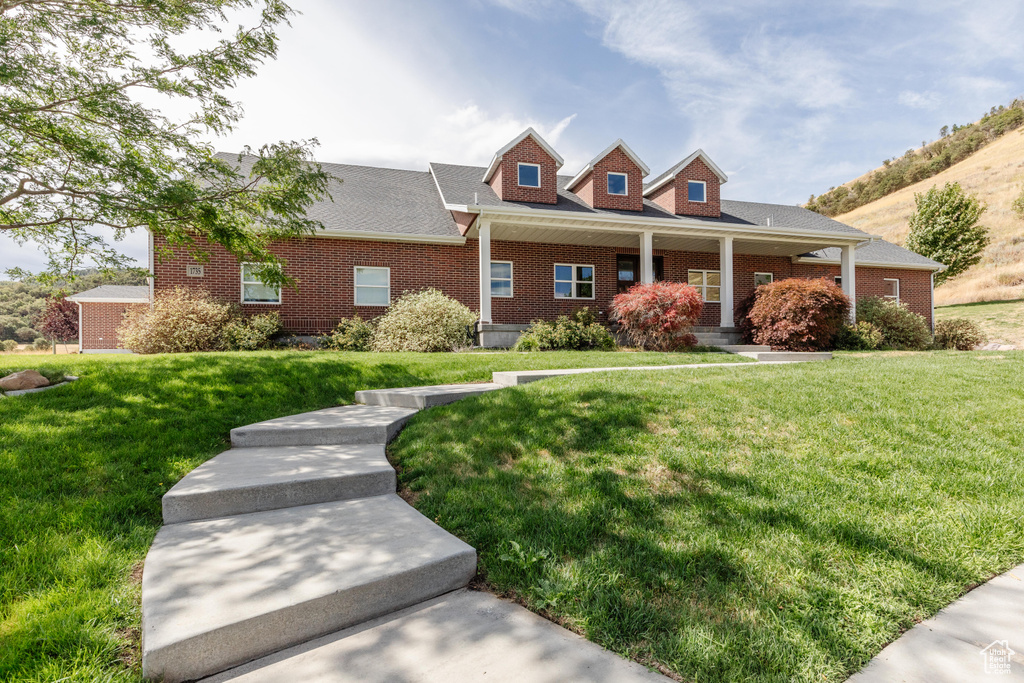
x=517, y=242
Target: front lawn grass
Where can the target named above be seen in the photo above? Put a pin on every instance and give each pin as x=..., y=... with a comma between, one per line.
x=1001, y=321
x=772, y=524
x=83, y=467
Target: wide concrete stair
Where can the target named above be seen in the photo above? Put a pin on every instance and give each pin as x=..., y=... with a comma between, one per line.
x=354, y=424
x=423, y=397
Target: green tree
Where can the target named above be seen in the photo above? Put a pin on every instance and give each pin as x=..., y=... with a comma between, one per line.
x=1018, y=204
x=86, y=144
x=945, y=228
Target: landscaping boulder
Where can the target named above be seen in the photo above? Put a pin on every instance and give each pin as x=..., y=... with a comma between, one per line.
x=26, y=379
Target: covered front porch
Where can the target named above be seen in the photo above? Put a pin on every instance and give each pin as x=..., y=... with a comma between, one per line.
x=606, y=255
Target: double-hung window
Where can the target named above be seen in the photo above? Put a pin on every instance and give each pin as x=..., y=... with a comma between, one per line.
x=253, y=289
x=618, y=184
x=529, y=175
x=892, y=288
x=709, y=282
x=372, y=286
x=574, y=281
x=697, y=191
x=763, y=279
x=501, y=279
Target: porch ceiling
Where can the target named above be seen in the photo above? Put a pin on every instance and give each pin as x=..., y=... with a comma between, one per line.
x=630, y=239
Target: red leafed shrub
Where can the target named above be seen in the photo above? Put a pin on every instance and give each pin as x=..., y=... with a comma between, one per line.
x=798, y=314
x=658, y=316
x=60, y=320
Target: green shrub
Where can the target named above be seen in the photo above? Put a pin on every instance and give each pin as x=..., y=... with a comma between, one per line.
x=424, y=321
x=901, y=328
x=1018, y=204
x=350, y=334
x=41, y=344
x=179, y=321
x=25, y=334
x=8, y=345
x=252, y=333
x=860, y=337
x=579, y=331
x=958, y=333
x=798, y=314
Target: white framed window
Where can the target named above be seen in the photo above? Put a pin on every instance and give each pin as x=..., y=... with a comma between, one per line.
x=574, y=281
x=709, y=282
x=697, y=191
x=529, y=175
x=618, y=184
x=501, y=279
x=839, y=280
x=253, y=289
x=372, y=286
x=892, y=288
x=763, y=279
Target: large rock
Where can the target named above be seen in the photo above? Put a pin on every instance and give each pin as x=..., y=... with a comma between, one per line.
x=26, y=379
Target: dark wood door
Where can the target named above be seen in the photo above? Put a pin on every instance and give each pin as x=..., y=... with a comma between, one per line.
x=628, y=269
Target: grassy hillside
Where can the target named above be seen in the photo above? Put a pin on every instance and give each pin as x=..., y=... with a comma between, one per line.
x=1001, y=321
x=995, y=173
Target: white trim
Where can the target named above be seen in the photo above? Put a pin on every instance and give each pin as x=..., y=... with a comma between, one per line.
x=608, y=150
x=607, y=181
x=356, y=286
x=79, y=327
x=705, y=286
x=531, y=133
x=484, y=269
x=771, y=275
x=244, y=282
x=392, y=236
x=519, y=174
x=725, y=281
x=510, y=278
x=932, y=293
x=696, y=182
x=108, y=300
x=869, y=264
x=897, y=281
x=646, y=258
x=848, y=271
x=675, y=170
x=574, y=281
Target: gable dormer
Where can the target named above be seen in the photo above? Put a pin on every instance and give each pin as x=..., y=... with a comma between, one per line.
x=525, y=170
x=690, y=188
x=614, y=179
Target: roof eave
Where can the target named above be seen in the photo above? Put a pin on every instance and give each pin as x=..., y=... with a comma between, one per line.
x=870, y=264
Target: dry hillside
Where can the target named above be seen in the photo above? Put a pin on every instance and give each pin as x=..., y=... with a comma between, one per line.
x=996, y=174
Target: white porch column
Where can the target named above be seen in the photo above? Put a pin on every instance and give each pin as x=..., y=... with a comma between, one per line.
x=647, y=257
x=485, y=271
x=725, y=271
x=848, y=272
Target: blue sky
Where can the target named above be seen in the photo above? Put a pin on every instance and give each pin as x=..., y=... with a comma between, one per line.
x=789, y=98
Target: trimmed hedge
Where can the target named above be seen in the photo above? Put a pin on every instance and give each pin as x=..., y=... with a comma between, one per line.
x=798, y=314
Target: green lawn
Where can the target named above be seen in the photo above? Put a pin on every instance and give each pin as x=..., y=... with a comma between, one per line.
x=773, y=524
x=1002, y=321
x=82, y=469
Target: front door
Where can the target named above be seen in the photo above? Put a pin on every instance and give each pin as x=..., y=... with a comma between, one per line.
x=628, y=267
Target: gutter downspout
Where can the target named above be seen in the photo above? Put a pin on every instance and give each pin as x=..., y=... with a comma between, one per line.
x=79, y=304
x=933, y=302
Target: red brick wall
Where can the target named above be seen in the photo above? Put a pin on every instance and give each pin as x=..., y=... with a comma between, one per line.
x=324, y=270
x=674, y=197
x=99, y=324
x=596, y=190
x=505, y=181
x=463, y=220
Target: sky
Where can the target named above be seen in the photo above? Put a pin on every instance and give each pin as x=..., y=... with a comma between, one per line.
x=789, y=98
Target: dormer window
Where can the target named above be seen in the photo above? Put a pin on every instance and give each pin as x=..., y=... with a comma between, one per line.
x=618, y=184
x=529, y=175
x=697, y=191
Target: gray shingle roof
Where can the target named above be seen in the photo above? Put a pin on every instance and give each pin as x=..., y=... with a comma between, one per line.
x=126, y=293
x=459, y=185
x=878, y=251
x=379, y=200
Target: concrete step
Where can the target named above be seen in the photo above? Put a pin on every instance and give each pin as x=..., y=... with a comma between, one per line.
x=741, y=348
x=512, y=378
x=786, y=356
x=422, y=397
x=462, y=636
x=245, y=480
x=338, y=425
x=222, y=592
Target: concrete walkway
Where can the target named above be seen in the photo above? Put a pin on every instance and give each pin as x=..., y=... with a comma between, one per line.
x=980, y=637
x=290, y=557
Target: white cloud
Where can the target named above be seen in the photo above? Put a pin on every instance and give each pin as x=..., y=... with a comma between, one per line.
x=920, y=100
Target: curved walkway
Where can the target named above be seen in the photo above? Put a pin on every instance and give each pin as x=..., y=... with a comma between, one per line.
x=290, y=557
x=980, y=637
